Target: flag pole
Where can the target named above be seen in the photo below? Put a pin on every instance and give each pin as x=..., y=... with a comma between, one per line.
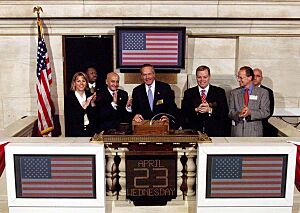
x=38, y=9
x=45, y=118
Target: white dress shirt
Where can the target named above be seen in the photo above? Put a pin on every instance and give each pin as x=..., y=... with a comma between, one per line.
x=206, y=90
x=82, y=100
x=152, y=88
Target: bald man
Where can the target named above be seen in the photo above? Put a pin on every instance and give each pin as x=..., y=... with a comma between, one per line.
x=268, y=129
x=112, y=103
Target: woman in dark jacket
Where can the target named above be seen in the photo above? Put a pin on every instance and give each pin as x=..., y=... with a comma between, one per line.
x=80, y=108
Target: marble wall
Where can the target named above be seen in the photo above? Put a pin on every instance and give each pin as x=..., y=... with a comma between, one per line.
x=221, y=34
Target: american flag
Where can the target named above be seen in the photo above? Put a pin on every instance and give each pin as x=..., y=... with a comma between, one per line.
x=149, y=48
x=57, y=176
x=247, y=176
x=44, y=80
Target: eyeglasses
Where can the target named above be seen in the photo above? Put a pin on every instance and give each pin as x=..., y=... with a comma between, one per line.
x=240, y=78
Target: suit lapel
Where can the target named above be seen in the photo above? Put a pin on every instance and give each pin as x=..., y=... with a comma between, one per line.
x=240, y=97
x=120, y=97
x=78, y=105
x=210, y=94
x=157, y=96
x=252, y=103
x=107, y=96
x=197, y=97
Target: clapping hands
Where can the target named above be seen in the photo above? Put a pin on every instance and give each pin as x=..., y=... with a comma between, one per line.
x=245, y=112
x=90, y=100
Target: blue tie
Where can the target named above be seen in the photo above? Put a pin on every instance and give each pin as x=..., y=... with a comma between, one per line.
x=150, y=98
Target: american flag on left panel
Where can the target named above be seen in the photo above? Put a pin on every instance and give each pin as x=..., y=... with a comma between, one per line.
x=57, y=176
x=246, y=176
x=156, y=48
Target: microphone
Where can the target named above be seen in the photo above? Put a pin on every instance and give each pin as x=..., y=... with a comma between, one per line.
x=162, y=113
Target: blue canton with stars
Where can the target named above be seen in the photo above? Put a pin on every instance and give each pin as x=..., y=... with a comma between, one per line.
x=35, y=168
x=134, y=41
x=41, y=57
x=227, y=168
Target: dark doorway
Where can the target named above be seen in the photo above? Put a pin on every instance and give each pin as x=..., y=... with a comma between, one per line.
x=81, y=52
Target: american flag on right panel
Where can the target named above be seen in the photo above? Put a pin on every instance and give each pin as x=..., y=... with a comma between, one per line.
x=246, y=176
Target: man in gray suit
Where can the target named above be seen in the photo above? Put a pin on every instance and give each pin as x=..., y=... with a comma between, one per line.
x=248, y=105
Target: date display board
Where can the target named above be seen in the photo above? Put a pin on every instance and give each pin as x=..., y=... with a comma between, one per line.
x=151, y=177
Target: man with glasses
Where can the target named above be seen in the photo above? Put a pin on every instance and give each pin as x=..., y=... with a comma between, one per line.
x=248, y=105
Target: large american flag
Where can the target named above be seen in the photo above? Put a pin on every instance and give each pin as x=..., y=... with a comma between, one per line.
x=246, y=176
x=44, y=80
x=57, y=176
x=150, y=48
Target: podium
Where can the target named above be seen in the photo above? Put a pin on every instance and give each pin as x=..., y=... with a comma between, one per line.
x=149, y=161
x=150, y=127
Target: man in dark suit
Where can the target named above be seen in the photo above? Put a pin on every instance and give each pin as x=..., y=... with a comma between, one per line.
x=92, y=75
x=205, y=106
x=152, y=97
x=268, y=129
x=112, y=104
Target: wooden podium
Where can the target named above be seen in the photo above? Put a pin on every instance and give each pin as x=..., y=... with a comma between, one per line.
x=150, y=161
x=147, y=127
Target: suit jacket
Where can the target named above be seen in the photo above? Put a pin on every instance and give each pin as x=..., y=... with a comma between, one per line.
x=74, y=117
x=108, y=117
x=268, y=129
x=214, y=124
x=259, y=104
x=163, y=101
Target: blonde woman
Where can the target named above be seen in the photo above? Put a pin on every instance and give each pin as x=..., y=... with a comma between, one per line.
x=80, y=108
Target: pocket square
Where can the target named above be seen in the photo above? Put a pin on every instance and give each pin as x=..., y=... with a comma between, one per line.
x=160, y=101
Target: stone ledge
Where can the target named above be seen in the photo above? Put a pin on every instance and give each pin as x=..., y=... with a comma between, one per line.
x=21, y=128
x=285, y=129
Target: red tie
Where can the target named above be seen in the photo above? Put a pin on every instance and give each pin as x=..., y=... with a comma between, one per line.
x=246, y=97
x=203, y=96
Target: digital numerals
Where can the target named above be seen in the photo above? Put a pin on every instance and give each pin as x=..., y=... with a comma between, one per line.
x=160, y=178
x=151, y=177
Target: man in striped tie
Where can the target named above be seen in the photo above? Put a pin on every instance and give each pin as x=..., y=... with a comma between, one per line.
x=205, y=106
